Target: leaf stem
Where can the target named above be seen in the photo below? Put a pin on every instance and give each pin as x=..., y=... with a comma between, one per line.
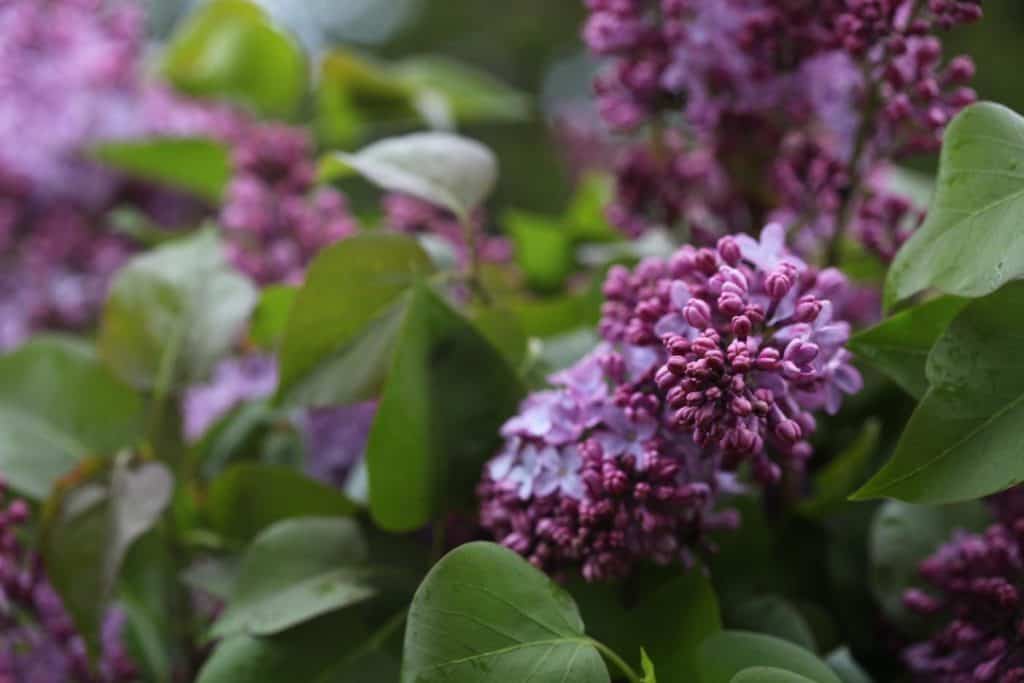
x=476, y=282
x=613, y=657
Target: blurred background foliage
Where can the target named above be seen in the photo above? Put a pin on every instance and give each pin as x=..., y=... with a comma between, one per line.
x=534, y=46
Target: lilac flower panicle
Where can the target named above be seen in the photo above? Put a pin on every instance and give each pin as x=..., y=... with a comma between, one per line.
x=407, y=214
x=753, y=346
x=274, y=219
x=38, y=641
x=974, y=592
x=784, y=105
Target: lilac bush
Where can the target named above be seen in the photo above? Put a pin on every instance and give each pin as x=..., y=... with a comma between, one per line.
x=292, y=391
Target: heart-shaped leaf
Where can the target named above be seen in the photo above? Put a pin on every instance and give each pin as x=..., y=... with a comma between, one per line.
x=295, y=571
x=338, y=338
x=899, y=346
x=441, y=168
x=726, y=654
x=433, y=432
x=971, y=243
x=485, y=611
x=963, y=440
x=174, y=312
x=59, y=403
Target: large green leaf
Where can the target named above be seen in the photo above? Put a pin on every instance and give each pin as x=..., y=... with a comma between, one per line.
x=899, y=346
x=447, y=394
x=963, y=440
x=339, y=329
x=248, y=498
x=728, y=653
x=231, y=49
x=197, y=165
x=441, y=168
x=174, y=312
x=295, y=571
x=901, y=536
x=971, y=243
x=483, y=611
x=89, y=529
x=58, y=403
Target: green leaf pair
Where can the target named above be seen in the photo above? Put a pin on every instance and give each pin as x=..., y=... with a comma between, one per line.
x=484, y=613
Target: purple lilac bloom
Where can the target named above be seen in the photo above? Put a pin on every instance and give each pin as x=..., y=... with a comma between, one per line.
x=38, y=641
x=273, y=218
x=973, y=593
x=336, y=440
x=753, y=345
x=234, y=381
x=70, y=77
x=756, y=108
x=592, y=481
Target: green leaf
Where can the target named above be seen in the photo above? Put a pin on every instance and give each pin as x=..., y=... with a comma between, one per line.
x=901, y=536
x=728, y=653
x=962, y=442
x=970, y=243
x=468, y=94
x=59, y=403
x=846, y=667
x=648, y=668
x=174, y=312
x=669, y=622
x=441, y=168
x=295, y=571
x=483, y=611
x=342, y=322
x=330, y=649
x=197, y=165
x=899, y=346
x=837, y=480
x=433, y=433
x=90, y=528
x=248, y=498
x=544, y=249
x=775, y=616
x=767, y=674
x=230, y=49
x=270, y=319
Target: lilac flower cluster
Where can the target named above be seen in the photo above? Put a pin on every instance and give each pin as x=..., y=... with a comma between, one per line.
x=273, y=218
x=761, y=110
x=753, y=344
x=974, y=583
x=38, y=641
x=70, y=78
x=712, y=359
x=591, y=481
